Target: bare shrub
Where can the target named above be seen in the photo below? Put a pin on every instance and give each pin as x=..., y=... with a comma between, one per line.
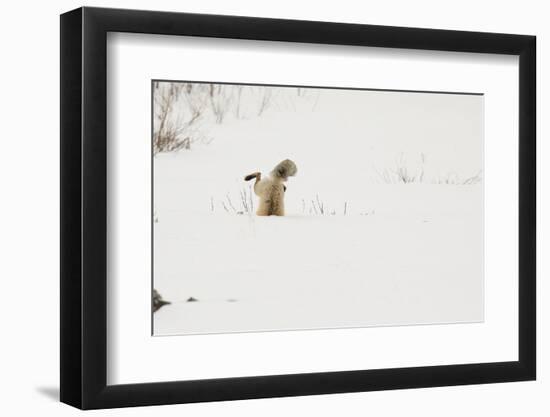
x=182, y=111
x=265, y=100
x=221, y=97
x=454, y=179
x=318, y=207
x=244, y=204
x=404, y=172
x=247, y=199
x=174, y=129
x=237, y=100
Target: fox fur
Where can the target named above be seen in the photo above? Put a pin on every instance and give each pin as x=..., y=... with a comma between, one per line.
x=271, y=189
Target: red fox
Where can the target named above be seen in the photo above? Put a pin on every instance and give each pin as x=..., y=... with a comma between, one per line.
x=271, y=189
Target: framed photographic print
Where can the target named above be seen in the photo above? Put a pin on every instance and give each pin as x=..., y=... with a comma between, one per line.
x=257, y=207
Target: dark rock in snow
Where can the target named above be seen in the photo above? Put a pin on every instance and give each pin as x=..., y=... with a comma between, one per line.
x=158, y=302
x=191, y=299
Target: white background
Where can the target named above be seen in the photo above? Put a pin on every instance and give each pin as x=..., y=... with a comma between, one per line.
x=136, y=357
x=30, y=175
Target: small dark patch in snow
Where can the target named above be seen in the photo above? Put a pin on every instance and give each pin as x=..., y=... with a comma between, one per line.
x=191, y=299
x=231, y=300
x=158, y=301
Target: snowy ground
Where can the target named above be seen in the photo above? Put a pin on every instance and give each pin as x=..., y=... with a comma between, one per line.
x=381, y=254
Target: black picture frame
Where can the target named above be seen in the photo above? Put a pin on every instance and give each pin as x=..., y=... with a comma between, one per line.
x=84, y=207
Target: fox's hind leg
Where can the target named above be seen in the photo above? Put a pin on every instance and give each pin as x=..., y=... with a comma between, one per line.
x=257, y=175
x=264, y=208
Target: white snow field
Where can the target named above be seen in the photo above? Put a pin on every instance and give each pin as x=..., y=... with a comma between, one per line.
x=356, y=248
